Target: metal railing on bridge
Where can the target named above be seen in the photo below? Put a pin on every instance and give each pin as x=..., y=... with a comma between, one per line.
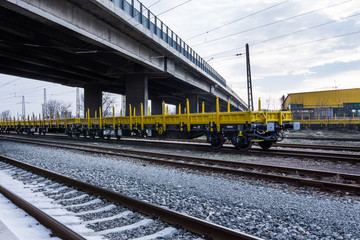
x=146, y=18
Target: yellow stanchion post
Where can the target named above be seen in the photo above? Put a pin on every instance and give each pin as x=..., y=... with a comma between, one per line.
x=130, y=116
x=188, y=114
x=88, y=118
x=217, y=114
x=57, y=119
x=163, y=114
x=113, y=120
x=142, y=116
x=100, y=119
x=228, y=106
x=259, y=107
x=65, y=119
x=203, y=107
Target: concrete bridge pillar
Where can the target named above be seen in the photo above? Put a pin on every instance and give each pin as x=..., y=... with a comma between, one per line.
x=156, y=106
x=137, y=93
x=210, y=105
x=193, y=102
x=92, y=99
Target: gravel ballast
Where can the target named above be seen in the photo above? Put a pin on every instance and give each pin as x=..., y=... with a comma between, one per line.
x=268, y=212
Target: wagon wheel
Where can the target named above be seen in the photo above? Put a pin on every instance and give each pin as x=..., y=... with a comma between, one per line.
x=242, y=143
x=217, y=141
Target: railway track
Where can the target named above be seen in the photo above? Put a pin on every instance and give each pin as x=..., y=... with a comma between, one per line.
x=106, y=206
x=298, y=176
x=318, y=147
x=198, y=146
x=325, y=139
x=194, y=142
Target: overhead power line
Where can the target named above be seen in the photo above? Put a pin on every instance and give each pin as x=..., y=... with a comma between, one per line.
x=309, y=42
x=236, y=20
x=272, y=23
x=285, y=35
x=290, y=46
x=154, y=4
x=173, y=8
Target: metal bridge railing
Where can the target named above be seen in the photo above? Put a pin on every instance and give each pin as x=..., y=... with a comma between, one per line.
x=146, y=18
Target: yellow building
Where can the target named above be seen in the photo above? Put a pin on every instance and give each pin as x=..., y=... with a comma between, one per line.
x=322, y=104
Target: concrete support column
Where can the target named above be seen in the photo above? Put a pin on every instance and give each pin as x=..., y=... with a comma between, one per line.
x=193, y=102
x=156, y=106
x=210, y=106
x=137, y=93
x=92, y=99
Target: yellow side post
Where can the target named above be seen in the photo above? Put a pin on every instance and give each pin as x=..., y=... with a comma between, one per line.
x=188, y=114
x=142, y=116
x=95, y=114
x=228, y=106
x=203, y=107
x=65, y=119
x=88, y=118
x=259, y=107
x=57, y=119
x=134, y=114
x=130, y=116
x=179, y=108
x=163, y=113
x=100, y=120
x=113, y=120
x=335, y=116
x=149, y=114
x=217, y=114
x=167, y=110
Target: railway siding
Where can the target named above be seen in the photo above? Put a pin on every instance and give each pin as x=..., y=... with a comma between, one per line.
x=260, y=210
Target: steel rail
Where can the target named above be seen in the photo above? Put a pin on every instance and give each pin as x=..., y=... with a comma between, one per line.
x=56, y=227
x=325, y=139
x=342, y=157
x=190, y=142
x=322, y=147
x=189, y=223
x=225, y=166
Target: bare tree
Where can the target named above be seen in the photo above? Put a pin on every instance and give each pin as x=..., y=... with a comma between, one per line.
x=5, y=114
x=108, y=101
x=55, y=106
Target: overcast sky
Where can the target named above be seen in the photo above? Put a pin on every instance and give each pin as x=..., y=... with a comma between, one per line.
x=295, y=46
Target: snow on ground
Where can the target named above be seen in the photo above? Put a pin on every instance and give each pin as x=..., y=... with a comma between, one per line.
x=20, y=223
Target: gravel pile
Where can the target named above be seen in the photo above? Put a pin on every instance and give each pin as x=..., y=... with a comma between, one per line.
x=257, y=209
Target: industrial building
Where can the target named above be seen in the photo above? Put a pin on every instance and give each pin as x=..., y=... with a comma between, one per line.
x=331, y=104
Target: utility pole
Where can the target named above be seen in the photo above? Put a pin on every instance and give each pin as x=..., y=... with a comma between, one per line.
x=77, y=102
x=23, y=108
x=45, y=105
x=249, y=84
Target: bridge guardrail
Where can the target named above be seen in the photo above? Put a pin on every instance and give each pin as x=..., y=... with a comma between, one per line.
x=146, y=18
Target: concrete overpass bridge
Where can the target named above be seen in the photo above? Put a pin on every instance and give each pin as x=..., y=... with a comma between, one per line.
x=107, y=45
